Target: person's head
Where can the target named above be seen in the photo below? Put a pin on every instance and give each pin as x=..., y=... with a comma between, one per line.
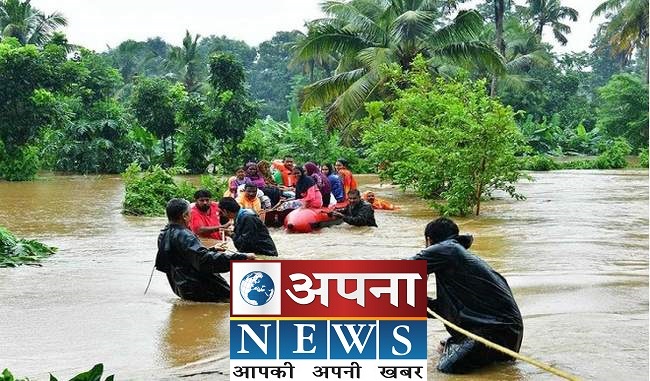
x=240, y=173
x=178, y=211
x=354, y=196
x=341, y=164
x=229, y=207
x=202, y=199
x=370, y=197
x=288, y=162
x=264, y=167
x=251, y=169
x=298, y=172
x=310, y=168
x=326, y=169
x=440, y=230
x=250, y=190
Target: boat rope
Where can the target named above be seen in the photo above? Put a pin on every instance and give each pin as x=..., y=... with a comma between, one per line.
x=509, y=352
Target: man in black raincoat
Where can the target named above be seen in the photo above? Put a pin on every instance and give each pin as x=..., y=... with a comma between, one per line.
x=471, y=295
x=192, y=269
x=358, y=212
x=250, y=234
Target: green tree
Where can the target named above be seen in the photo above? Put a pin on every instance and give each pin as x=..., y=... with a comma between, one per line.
x=623, y=109
x=186, y=61
x=153, y=106
x=271, y=78
x=365, y=35
x=627, y=28
x=27, y=24
x=445, y=139
x=552, y=13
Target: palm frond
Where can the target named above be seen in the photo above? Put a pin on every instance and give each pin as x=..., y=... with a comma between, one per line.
x=373, y=58
x=411, y=26
x=324, y=91
x=325, y=39
x=607, y=6
x=355, y=19
x=466, y=26
x=472, y=52
x=351, y=101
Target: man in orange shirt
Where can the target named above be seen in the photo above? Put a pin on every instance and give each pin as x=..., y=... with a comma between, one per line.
x=377, y=203
x=204, y=216
x=285, y=167
x=248, y=199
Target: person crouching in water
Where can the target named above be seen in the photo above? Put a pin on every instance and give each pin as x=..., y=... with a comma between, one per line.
x=471, y=295
x=192, y=269
x=357, y=213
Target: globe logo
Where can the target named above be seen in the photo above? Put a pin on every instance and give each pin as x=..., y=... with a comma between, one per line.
x=257, y=288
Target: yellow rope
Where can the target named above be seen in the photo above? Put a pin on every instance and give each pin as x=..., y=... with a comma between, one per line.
x=505, y=350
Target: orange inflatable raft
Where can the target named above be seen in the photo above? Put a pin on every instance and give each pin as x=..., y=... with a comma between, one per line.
x=303, y=220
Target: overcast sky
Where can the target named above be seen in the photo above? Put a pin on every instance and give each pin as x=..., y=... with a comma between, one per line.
x=97, y=23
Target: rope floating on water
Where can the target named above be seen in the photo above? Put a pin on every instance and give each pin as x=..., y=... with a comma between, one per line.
x=539, y=364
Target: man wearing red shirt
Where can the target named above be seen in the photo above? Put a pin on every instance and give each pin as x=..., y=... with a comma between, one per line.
x=204, y=216
x=285, y=167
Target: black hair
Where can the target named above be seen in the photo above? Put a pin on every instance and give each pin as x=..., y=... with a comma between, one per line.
x=344, y=162
x=440, y=229
x=330, y=168
x=229, y=204
x=354, y=192
x=202, y=193
x=300, y=169
x=287, y=157
x=250, y=185
x=176, y=208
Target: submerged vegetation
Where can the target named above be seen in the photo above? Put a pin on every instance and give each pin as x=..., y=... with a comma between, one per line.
x=147, y=192
x=95, y=374
x=18, y=251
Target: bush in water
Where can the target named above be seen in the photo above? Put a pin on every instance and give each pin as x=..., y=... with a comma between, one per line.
x=20, y=164
x=538, y=163
x=95, y=374
x=15, y=252
x=147, y=192
x=614, y=156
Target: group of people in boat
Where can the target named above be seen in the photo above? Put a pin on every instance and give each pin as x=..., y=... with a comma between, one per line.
x=274, y=189
x=469, y=292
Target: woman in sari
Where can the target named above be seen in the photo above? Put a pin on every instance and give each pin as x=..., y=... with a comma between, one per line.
x=321, y=181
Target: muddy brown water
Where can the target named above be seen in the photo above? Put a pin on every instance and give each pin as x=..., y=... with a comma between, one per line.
x=575, y=253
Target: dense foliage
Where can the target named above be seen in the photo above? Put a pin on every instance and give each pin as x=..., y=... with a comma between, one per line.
x=305, y=137
x=147, y=192
x=15, y=251
x=446, y=139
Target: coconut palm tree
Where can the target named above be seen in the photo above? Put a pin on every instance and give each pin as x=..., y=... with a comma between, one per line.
x=186, y=61
x=366, y=34
x=627, y=28
x=29, y=25
x=551, y=12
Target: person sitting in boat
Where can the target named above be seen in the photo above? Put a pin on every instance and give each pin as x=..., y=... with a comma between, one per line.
x=307, y=191
x=348, y=180
x=285, y=167
x=253, y=176
x=377, y=203
x=250, y=199
x=191, y=268
x=322, y=182
x=249, y=233
x=234, y=182
x=335, y=182
x=204, y=216
x=357, y=213
x=471, y=295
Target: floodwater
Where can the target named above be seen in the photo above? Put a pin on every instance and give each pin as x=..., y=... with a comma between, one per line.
x=575, y=253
